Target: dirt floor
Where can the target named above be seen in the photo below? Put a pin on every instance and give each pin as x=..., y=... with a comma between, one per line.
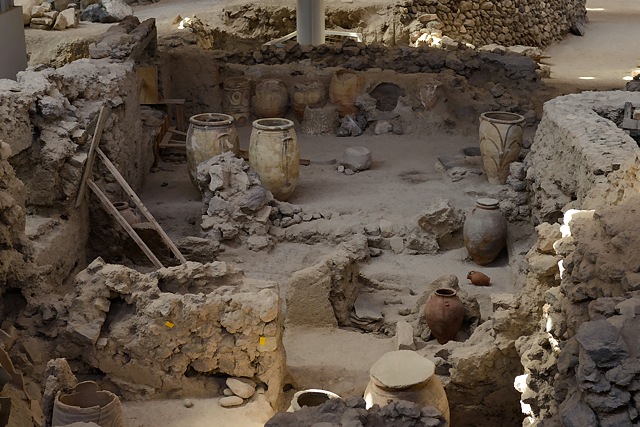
x=403, y=180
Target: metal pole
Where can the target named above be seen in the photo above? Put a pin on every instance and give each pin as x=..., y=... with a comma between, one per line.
x=310, y=21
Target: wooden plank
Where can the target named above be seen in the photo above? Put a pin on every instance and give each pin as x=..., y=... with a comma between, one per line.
x=91, y=157
x=149, y=88
x=141, y=207
x=123, y=222
x=165, y=140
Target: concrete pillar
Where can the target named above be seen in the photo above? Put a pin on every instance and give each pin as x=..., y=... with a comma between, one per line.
x=310, y=21
x=13, y=50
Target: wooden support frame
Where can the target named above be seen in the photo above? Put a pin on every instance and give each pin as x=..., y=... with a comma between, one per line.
x=86, y=181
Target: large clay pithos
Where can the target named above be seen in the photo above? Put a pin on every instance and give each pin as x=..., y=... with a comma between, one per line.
x=405, y=375
x=500, y=143
x=311, y=94
x=485, y=231
x=444, y=313
x=236, y=101
x=344, y=87
x=271, y=99
x=274, y=155
x=209, y=134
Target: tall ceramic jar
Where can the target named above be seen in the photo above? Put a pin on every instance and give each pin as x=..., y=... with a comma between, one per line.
x=271, y=99
x=405, y=375
x=500, y=143
x=310, y=94
x=209, y=134
x=274, y=155
x=236, y=101
x=345, y=85
x=485, y=231
x=444, y=313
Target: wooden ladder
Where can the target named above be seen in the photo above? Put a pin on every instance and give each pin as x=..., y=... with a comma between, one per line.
x=87, y=181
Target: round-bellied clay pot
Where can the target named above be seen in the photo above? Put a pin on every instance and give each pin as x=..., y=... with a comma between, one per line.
x=127, y=212
x=485, y=231
x=405, y=375
x=209, y=134
x=444, y=313
x=500, y=143
x=271, y=99
x=274, y=155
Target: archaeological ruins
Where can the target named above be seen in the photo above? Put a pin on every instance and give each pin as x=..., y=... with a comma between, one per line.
x=316, y=213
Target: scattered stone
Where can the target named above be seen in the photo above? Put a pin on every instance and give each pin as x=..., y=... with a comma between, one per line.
x=188, y=403
x=230, y=401
x=397, y=244
x=349, y=172
x=241, y=388
x=404, y=336
x=227, y=392
x=383, y=127
x=341, y=169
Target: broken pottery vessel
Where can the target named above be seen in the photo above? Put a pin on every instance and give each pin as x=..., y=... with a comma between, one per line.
x=86, y=403
x=444, y=313
x=310, y=398
x=310, y=94
x=485, y=231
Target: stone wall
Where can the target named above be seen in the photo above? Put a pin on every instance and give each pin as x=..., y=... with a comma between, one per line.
x=579, y=157
x=582, y=366
x=507, y=22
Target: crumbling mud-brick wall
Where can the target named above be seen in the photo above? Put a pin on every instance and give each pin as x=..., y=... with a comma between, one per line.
x=168, y=332
x=583, y=364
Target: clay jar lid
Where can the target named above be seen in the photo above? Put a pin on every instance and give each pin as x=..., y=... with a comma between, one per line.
x=402, y=369
x=487, y=203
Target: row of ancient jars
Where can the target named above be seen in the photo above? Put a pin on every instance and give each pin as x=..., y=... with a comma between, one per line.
x=272, y=99
x=273, y=149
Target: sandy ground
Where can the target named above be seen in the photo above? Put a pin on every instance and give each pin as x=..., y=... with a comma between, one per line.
x=403, y=180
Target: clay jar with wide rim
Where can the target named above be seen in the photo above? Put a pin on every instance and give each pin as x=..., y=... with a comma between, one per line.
x=274, y=155
x=310, y=398
x=405, y=375
x=500, y=143
x=87, y=404
x=345, y=85
x=271, y=99
x=209, y=134
x=444, y=312
x=485, y=231
x=236, y=101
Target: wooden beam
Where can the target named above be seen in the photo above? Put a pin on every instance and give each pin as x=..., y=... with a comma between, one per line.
x=141, y=207
x=88, y=167
x=123, y=222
